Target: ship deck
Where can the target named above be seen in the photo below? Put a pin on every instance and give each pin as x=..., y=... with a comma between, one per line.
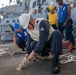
x=8, y=64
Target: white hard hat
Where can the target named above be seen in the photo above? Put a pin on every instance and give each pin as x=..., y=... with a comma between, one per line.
x=24, y=20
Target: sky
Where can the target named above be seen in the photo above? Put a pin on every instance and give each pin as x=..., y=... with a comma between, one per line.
x=5, y=2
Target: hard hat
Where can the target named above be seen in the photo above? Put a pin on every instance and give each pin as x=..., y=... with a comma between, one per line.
x=24, y=20
x=51, y=7
x=16, y=26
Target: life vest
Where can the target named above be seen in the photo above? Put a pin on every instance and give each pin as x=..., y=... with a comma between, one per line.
x=35, y=32
x=22, y=35
x=62, y=13
x=52, y=18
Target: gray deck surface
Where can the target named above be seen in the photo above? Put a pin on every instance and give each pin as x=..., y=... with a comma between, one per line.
x=40, y=67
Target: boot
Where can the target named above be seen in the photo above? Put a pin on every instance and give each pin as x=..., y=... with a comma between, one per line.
x=55, y=65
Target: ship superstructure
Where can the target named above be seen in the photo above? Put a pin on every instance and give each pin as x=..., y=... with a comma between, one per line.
x=11, y=13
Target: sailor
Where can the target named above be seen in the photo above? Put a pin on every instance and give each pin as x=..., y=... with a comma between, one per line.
x=40, y=35
x=52, y=17
x=65, y=21
x=35, y=13
x=20, y=37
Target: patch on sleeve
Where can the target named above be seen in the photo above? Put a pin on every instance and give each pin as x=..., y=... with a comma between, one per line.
x=42, y=29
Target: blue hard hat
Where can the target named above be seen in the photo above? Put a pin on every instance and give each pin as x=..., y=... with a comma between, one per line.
x=16, y=26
